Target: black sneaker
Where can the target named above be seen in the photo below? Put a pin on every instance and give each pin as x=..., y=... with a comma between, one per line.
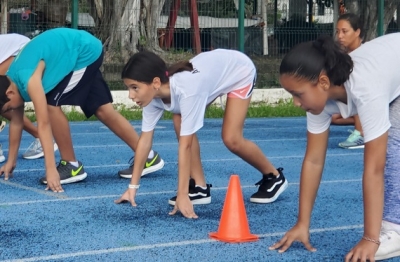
x=197, y=195
x=152, y=165
x=68, y=173
x=270, y=187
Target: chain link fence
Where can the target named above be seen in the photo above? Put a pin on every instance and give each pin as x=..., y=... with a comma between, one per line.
x=179, y=29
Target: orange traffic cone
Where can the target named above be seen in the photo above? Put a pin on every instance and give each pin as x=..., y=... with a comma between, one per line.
x=233, y=226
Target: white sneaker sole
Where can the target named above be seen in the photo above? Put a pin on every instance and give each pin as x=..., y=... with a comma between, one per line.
x=270, y=200
x=2, y=159
x=41, y=154
x=2, y=125
x=353, y=147
x=71, y=180
x=387, y=256
x=147, y=170
x=202, y=201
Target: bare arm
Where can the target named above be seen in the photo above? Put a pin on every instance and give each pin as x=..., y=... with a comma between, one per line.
x=142, y=151
x=38, y=97
x=311, y=174
x=373, y=185
x=36, y=93
x=185, y=154
x=15, y=132
x=310, y=179
x=141, y=154
x=373, y=193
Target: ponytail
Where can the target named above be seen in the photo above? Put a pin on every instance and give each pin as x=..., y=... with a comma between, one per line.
x=307, y=60
x=180, y=67
x=145, y=66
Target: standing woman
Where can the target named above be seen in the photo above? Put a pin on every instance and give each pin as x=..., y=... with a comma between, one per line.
x=349, y=33
x=186, y=89
x=324, y=80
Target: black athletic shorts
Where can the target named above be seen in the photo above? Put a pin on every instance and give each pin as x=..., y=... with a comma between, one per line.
x=90, y=92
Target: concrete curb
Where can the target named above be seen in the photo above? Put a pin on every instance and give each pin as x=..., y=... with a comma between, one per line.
x=269, y=96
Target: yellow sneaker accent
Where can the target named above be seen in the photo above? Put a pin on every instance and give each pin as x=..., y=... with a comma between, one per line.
x=75, y=172
x=149, y=164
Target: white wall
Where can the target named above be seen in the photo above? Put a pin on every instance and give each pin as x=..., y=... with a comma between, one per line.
x=269, y=96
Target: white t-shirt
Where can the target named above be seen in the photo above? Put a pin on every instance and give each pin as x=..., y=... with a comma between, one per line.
x=373, y=84
x=10, y=45
x=214, y=74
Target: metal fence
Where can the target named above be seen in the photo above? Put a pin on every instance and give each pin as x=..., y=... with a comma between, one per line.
x=178, y=29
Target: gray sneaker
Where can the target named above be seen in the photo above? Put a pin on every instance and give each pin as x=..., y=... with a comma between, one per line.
x=152, y=165
x=2, y=125
x=2, y=158
x=35, y=150
x=68, y=173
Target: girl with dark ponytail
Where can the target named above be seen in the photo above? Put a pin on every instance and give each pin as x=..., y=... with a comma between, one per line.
x=324, y=80
x=186, y=89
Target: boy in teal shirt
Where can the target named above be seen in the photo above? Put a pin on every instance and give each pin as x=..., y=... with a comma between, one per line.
x=61, y=67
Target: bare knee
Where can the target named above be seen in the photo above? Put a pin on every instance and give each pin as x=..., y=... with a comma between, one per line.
x=232, y=142
x=103, y=111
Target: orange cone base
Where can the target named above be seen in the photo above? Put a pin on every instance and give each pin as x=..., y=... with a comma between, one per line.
x=248, y=238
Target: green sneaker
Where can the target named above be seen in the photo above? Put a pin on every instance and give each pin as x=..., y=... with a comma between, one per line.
x=152, y=165
x=354, y=141
x=68, y=173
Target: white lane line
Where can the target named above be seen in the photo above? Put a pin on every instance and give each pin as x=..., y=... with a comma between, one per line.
x=164, y=130
x=39, y=191
x=148, y=193
x=176, y=143
x=166, y=244
x=207, y=160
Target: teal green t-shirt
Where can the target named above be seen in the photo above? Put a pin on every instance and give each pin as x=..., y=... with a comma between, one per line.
x=63, y=51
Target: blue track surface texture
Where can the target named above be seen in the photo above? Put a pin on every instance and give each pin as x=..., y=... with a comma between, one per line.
x=84, y=224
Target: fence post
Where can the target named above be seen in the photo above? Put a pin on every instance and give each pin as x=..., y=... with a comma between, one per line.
x=74, y=14
x=381, y=7
x=241, y=26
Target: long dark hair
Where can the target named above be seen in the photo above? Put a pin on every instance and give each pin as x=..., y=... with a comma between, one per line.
x=354, y=21
x=145, y=66
x=307, y=60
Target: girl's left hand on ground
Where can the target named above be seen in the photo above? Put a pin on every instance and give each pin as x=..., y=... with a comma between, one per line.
x=363, y=251
x=53, y=181
x=128, y=196
x=184, y=205
x=7, y=170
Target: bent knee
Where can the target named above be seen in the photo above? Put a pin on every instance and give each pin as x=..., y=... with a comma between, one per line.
x=232, y=142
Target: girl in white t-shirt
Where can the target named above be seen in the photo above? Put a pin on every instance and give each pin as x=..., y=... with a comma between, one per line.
x=10, y=46
x=186, y=89
x=324, y=80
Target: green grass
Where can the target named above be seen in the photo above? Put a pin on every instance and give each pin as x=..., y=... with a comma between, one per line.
x=281, y=109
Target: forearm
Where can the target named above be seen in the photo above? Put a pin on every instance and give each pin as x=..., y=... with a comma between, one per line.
x=15, y=132
x=373, y=194
x=46, y=140
x=309, y=183
x=141, y=154
x=185, y=155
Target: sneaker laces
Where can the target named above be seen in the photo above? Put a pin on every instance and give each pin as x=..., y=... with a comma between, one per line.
x=385, y=235
x=35, y=145
x=354, y=136
x=266, y=179
x=269, y=177
x=62, y=167
x=131, y=162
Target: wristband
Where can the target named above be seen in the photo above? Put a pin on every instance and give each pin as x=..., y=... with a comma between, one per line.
x=133, y=186
x=372, y=240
